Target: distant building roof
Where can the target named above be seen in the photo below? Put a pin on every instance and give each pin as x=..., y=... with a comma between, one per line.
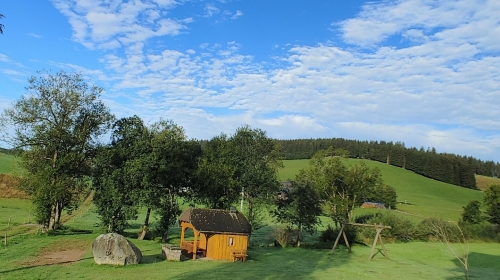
x=369, y=204
x=216, y=220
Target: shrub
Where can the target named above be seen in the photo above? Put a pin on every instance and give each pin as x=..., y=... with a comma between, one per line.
x=330, y=234
x=285, y=236
x=426, y=230
x=482, y=232
x=401, y=230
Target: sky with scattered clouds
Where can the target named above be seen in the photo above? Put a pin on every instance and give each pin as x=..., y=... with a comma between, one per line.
x=423, y=72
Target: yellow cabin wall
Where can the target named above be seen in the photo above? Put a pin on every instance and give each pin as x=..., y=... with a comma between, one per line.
x=219, y=248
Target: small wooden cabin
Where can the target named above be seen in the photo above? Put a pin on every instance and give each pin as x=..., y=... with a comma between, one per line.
x=218, y=234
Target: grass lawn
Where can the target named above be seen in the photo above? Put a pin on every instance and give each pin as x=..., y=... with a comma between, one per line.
x=415, y=260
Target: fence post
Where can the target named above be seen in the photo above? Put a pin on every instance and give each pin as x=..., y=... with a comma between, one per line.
x=8, y=224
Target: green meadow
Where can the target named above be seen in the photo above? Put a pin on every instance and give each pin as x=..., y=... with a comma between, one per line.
x=7, y=163
x=20, y=259
x=418, y=196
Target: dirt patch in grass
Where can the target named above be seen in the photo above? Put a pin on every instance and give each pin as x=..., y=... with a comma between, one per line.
x=60, y=252
x=9, y=187
x=484, y=182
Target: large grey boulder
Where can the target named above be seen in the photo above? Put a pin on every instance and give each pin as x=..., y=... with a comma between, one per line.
x=114, y=249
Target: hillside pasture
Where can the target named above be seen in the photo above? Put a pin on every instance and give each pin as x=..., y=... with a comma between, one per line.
x=8, y=164
x=484, y=182
x=419, y=197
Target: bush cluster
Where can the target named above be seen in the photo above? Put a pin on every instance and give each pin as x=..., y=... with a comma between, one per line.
x=403, y=230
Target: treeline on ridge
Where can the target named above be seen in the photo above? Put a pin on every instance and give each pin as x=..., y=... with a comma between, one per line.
x=444, y=167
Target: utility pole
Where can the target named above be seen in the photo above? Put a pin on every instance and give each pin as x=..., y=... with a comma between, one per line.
x=242, y=197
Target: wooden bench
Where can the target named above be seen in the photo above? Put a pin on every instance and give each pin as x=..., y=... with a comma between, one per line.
x=240, y=255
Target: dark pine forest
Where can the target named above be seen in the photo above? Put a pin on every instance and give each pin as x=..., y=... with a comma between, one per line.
x=449, y=168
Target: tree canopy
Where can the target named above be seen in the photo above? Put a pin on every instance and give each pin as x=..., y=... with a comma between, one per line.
x=248, y=161
x=117, y=180
x=144, y=166
x=472, y=212
x=492, y=202
x=299, y=208
x=341, y=187
x=57, y=124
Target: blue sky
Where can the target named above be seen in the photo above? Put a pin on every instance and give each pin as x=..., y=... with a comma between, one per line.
x=419, y=71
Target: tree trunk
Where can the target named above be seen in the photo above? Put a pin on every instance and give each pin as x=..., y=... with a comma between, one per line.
x=52, y=219
x=145, y=227
x=164, y=237
x=299, y=230
x=59, y=209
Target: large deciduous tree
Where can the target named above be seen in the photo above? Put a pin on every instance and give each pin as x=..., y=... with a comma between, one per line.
x=169, y=172
x=217, y=186
x=299, y=208
x=117, y=178
x=247, y=160
x=341, y=187
x=57, y=124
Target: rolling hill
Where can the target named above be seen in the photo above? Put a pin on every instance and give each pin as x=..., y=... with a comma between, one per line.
x=424, y=197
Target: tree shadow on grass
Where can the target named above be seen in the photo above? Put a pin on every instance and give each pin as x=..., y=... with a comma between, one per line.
x=41, y=265
x=271, y=263
x=481, y=266
x=69, y=231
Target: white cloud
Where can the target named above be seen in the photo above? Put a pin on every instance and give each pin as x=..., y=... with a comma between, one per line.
x=211, y=10
x=110, y=25
x=237, y=14
x=34, y=35
x=439, y=89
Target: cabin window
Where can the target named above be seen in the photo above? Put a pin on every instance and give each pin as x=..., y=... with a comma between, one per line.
x=231, y=241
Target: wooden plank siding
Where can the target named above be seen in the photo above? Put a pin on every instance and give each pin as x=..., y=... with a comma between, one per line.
x=219, y=247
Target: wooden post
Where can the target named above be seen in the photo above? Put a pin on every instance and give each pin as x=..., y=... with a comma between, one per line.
x=346, y=242
x=183, y=229
x=378, y=236
x=338, y=238
x=8, y=224
x=195, y=244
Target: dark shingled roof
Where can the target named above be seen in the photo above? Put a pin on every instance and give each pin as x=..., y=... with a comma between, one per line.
x=216, y=220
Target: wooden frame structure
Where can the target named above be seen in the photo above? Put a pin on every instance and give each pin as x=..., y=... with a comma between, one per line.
x=378, y=237
x=218, y=234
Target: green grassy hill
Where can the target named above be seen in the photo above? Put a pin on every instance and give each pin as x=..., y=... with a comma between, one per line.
x=424, y=197
x=6, y=163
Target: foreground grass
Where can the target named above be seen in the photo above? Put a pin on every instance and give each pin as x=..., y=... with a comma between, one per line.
x=406, y=261
x=417, y=260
